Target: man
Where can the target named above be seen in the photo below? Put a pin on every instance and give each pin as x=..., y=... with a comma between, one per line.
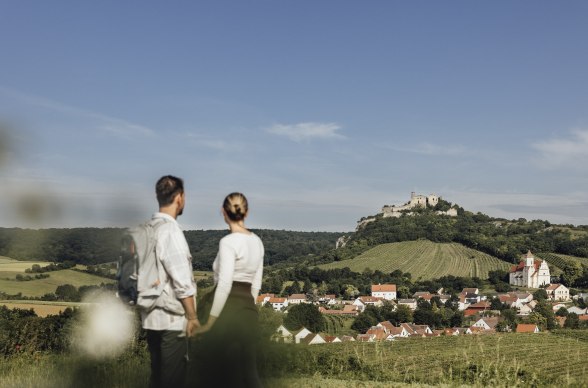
x=165, y=328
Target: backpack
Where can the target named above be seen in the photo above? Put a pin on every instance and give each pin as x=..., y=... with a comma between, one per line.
x=142, y=280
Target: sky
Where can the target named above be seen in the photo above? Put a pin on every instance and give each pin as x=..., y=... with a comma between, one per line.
x=319, y=112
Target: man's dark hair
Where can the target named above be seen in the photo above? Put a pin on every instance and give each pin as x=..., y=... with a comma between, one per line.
x=166, y=188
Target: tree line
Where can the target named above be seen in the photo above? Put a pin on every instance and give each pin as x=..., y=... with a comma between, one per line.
x=91, y=246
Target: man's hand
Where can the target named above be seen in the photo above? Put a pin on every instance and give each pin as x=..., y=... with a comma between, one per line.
x=192, y=326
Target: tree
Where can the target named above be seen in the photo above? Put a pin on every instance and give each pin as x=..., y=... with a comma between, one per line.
x=304, y=315
x=540, y=295
x=67, y=292
x=572, y=321
x=363, y=322
x=571, y=272
x=562, y=312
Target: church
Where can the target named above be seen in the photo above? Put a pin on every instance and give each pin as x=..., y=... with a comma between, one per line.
x=530, y=272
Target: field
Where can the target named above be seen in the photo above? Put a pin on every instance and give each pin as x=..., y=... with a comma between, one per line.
x=41, y=308
x=40, y=287
x=504, y=360
x=424, y=259
x=560, y=261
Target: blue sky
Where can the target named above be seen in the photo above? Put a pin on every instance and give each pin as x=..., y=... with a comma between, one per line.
x=320, y=112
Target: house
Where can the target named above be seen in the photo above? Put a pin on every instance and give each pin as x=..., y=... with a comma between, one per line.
x=348, y=310
x=428, y=296
x=379, y=333
x=558, y=292
x=263, y=298
x=527, y=328
x=384, y=291
x=470, y=291
x=347, y=338
x=297, y=299
x=476, y=308
x=530, y=272
x=488, y=323
x=463, y=305
x=278, y=303
x=561, y=321
x=328, y=299
x=300, y=334
x=471, y=298
x=451, y=331
x=412, y=329
x=363, y=301
x=583, y=318
x=578, y=310
x=464, y=330
x=392, y=331
x=365, y=338
x=283, y=335
x=331, y=339
x=525, y=309
x=411, y=303
x=313, y=339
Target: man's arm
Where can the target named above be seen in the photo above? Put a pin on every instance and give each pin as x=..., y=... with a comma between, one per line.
x=189, y=304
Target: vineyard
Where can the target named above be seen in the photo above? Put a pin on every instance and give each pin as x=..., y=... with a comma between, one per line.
x=560, y=261
x=424, y=259
x=505, y=360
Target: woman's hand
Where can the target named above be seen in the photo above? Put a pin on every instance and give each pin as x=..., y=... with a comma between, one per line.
x=206, y=327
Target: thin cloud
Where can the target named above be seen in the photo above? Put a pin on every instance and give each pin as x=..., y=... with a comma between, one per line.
x=208, y=142
x=306, y=131
x=112, y=125
x=432, y=149
x=559, y=151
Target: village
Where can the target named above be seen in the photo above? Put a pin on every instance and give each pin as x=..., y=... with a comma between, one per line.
x=478, y=309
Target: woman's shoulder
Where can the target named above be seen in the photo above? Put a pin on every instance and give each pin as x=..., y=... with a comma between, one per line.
x=239, y=237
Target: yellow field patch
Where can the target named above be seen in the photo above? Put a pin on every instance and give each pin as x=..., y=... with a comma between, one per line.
x=41, y=309
x=19, y=266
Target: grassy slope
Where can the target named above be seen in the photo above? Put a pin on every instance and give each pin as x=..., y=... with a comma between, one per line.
x=424, y=259
x=558, y=261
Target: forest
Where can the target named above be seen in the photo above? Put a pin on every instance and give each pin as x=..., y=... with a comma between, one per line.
x=102, y=245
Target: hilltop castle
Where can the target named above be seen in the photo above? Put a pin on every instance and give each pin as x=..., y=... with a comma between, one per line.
x=416, y=200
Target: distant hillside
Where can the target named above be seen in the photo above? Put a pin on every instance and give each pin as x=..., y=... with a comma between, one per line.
x=501, y=238
x=424, y=259
x=102, y=245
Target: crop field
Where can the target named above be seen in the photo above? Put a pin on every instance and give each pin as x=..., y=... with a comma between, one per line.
x=560, y=261
x=424, y=259
x=41, y=308
x=40, y=287
x=499, y=360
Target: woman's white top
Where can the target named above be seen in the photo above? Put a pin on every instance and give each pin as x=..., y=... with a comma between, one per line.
x=239, y=259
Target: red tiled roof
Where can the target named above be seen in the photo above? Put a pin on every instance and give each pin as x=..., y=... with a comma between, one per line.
x=521, y=265
x=383, y=287
x=526, y=328
x=277, y=300
x=297, y=296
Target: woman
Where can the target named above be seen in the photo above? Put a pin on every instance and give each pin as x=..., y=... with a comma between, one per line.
x=230, y=334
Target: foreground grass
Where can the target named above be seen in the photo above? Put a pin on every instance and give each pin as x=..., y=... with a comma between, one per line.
x=511, y=360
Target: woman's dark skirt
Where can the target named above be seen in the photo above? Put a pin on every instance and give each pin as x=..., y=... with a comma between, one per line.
x=226, y=355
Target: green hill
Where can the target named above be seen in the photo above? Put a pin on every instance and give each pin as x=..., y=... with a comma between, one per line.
x=424, y=259
x=558, y=261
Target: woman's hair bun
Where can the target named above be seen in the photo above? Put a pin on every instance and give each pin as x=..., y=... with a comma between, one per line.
x=236, y=207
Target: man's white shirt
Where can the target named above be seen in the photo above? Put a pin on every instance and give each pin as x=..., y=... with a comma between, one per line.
x=173, y=252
